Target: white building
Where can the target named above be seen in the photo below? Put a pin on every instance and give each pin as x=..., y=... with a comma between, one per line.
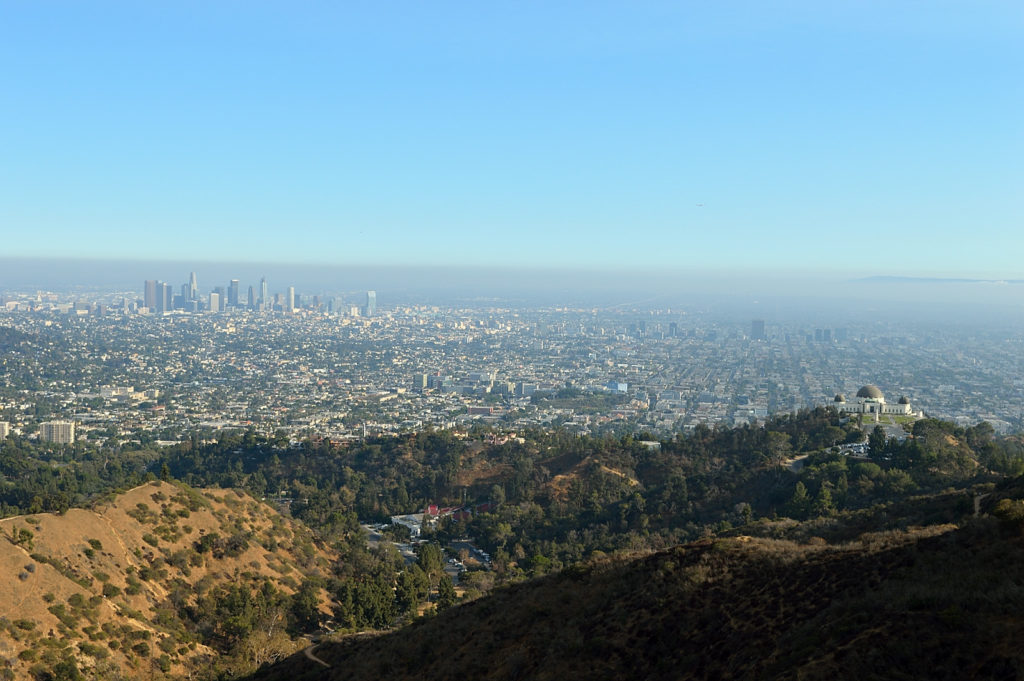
x=871, y=401
x=5, y=429
x=414, y=521
x=58, y=432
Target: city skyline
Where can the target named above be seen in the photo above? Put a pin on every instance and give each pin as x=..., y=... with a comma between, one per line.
x=752, y=293
x=863, y=139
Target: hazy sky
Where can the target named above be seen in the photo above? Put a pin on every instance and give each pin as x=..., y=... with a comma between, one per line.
x=864, y=137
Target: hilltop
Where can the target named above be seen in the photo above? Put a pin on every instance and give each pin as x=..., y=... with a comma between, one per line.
x=937, y=602
x=140, y=585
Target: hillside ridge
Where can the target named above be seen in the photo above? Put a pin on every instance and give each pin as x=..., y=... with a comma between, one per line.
x=111, y=588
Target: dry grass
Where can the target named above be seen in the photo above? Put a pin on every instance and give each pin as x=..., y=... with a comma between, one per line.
x=100, y=558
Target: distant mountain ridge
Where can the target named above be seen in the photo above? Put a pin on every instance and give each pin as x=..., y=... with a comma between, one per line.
x=934, y=280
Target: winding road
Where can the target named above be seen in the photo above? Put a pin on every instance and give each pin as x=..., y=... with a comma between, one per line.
x=308, y=652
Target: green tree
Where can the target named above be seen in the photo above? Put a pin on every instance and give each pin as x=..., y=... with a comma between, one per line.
x=877, y=443
x=823, y=504
x=305, y=606
x=430, y=560
x=800, y=502
x=406, y=594
x=446, y=596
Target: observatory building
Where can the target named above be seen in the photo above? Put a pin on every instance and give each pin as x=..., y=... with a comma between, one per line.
x=870, y=400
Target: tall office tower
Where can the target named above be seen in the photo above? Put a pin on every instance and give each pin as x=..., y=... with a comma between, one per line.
x=164, y=297
x=290, y=303
x=673, y=329
x=252, y=298
x=215, y=302
x=5, y=429
x=58, y=432
x=264, y=295
x=233, y=293
x=371, y=303
x=757, y=330
x=193, y=287
x=219, y=290
x=150, y=296
x=186, y=292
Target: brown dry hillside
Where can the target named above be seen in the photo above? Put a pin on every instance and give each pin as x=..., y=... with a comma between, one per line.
x=97, y=584
x=936, y=603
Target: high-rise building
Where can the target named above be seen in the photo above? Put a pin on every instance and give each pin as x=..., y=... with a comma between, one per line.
x=233, y=293
x=757, y=330
x=264, y=295
x=371, y=303
x=164, y=297
x=58, y=432
x=149, y=299
x=290, y=303
x=215, y=302
x=5, y=429
x=252, y=298
x=193, y=287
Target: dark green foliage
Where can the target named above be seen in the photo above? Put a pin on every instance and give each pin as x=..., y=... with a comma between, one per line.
x=925, y=605
x=366, y=603
x=305, y=606
x=446, y=596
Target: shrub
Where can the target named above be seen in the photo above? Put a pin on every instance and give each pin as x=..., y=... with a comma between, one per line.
x=93, y=650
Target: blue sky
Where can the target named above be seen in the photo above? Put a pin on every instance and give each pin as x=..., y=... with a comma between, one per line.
x=861, y=137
